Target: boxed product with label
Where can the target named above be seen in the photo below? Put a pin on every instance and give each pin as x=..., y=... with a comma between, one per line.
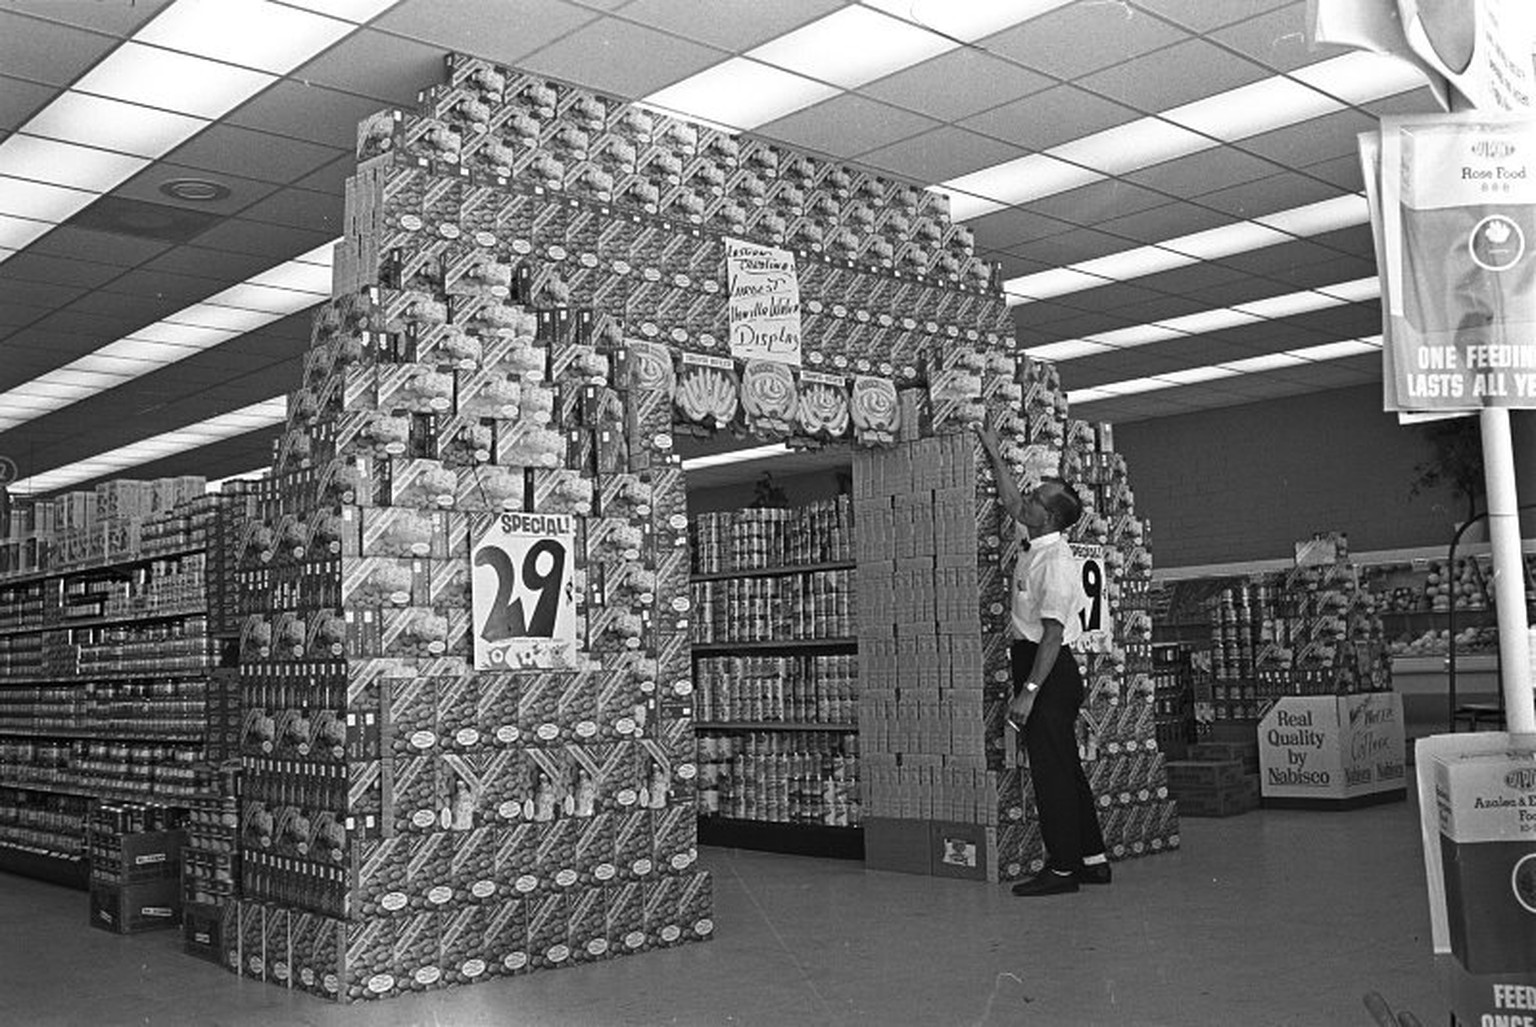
x=1487, y=814
x=131, y=908
x=548, y=930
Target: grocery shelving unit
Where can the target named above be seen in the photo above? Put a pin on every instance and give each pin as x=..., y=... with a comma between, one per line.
x=778, y=743
x=105, y=661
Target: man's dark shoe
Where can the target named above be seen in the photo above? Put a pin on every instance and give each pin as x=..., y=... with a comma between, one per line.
x=1047, y=882
x=1095, y=873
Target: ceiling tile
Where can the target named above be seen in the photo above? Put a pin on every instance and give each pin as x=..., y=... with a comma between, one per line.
x=117, y=19
x=1067, y=247
x=15, y=314
x=35, y=267
x=177, y=291
x=1267, y=195
x=240, y=151
x=1343, y=172
x=1324, y=138
x=847, y=125
x=278, y=242
x=957, y=84
x=505, y=31
x=1010, y=266
x=242, y=191
x=19, y=100
x=1278, y=38
x=131, y=310
x=1414, y=101
x=1050, y=117
x=1203, y=16
x=50, y=53
x=1159, y=224
x=1015, y=225
x=1203, y=172
x=1081, y=38
x=939, y=155
x=735, y=25
x=387, y=69
x=200, y=260
x=1162, y=80
x=298, y=208
x=1089, y=204
x=79, y=245
x=602, y=57
x=313, y=113
x=331, y=179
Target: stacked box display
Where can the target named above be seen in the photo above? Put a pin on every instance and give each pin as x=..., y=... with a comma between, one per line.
x=135, y=853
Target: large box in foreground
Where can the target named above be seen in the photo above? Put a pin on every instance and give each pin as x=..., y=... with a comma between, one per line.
x=1487, y=810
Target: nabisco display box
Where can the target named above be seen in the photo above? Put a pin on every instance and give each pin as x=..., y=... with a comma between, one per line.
x=1486, y=803
x=1333, y=750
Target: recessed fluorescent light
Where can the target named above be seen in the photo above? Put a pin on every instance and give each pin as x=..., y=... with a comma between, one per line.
x=66, y=164
x=290, y=287
x=737, y=456
x=1231, y=369
x=850, y=47
x=1224, y=117
x=268, y=413
x=1205, y=321
x=1211, y=244
x=19, y=232
x=847, y=48
x=741, y=94
x=167, y=80
x=250, y=33
x=966, y=20
x=40, y=201
x=217, y=485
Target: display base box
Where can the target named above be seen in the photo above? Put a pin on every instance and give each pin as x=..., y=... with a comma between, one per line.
x=903, y=846
x=132, y=908
x=205, y=931
x=964, y=851
x=1354, y=802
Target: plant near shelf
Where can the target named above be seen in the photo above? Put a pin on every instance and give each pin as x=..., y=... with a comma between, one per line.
x=1455, y=462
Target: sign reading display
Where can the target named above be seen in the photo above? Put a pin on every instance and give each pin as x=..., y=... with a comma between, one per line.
x=1098, y=630
x=523, y=594
x=764, y=302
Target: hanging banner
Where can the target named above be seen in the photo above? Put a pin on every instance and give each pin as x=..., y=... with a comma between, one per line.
x=764, y=302
x=1482, y=48
x=523, y=595
x=1457, y=223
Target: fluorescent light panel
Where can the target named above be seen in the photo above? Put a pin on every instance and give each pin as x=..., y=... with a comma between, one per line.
x=191, y=64
x=843, y=50
x=1232, y=369
x=267, y=413
x=293, y=286
x=1241, y=113
x=737, y=456
x=1211, y=244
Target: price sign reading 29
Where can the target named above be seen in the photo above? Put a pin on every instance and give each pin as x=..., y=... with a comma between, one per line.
x=523, y=594
x=1098, y=631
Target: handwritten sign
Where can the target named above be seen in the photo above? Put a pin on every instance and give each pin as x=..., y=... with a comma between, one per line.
x=764, y=302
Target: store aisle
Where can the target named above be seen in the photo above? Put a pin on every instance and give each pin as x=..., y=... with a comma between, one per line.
x=1271, y=918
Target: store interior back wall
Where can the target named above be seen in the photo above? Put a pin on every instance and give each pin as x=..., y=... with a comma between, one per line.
x=1245, y=482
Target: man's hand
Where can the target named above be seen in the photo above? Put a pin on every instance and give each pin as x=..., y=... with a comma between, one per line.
x=1018, y=710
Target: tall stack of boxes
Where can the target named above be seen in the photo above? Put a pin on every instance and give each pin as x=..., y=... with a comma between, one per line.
x=946, y=788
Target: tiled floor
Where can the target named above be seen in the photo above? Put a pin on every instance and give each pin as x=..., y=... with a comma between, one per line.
x=1274, y=917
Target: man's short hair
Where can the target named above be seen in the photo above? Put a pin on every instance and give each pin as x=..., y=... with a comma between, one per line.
x=1060, y=499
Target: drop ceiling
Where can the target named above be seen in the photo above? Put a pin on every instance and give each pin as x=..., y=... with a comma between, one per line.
x=138, y=255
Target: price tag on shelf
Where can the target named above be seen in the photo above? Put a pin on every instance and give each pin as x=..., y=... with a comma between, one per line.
x=523, y=596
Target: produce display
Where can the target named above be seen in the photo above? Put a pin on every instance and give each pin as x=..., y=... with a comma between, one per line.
x=1416, y=599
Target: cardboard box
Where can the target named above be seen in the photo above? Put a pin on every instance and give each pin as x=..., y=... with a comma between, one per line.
x=902, y=845
x=132, y=908
x=1487, y=814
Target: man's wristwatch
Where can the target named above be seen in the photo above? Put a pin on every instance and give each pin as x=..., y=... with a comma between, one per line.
x=1031, y=686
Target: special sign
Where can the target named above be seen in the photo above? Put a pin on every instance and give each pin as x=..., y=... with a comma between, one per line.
x=523, y=594
x=1098, y=630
